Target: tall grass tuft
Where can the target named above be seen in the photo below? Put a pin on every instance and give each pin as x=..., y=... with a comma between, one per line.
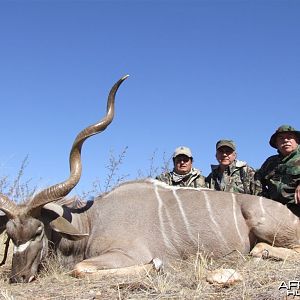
x=18, y=189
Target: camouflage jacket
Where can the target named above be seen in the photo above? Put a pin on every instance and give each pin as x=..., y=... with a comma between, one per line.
x=193, y=179
x=237, y=178
x=280, y=176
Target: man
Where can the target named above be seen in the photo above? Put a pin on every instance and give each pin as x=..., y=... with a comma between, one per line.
x=280, y=174
x=183, y=173
x=231, y=175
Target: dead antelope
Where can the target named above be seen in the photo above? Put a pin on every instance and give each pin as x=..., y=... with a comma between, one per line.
x=137, y=222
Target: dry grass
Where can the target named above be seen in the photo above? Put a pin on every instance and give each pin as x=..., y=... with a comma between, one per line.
x=184, y=280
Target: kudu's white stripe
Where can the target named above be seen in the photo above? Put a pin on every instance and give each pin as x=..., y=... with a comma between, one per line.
x=44, y=249
x=261, y=206
x=161, y=218
x=21, y=248
x=210, y=213
x=235, y=217
x=184, y=218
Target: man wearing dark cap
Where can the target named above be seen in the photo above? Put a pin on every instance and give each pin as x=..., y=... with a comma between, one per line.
x=231, y=175
x=183, y=173
x=280, y=174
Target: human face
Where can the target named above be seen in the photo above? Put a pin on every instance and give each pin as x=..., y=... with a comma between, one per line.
x=286, y=142
x=182, y=164
x=225, y=156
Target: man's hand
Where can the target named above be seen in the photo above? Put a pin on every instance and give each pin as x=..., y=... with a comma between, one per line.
x=297, y=195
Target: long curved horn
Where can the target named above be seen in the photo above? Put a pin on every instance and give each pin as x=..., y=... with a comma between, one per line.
x=62, y=189
x=8, y=206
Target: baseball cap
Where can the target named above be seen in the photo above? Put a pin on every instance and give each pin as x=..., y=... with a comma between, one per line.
x=182, y=150
x=227, y=143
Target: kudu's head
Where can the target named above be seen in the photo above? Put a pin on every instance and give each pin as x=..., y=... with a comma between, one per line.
x=24, y=224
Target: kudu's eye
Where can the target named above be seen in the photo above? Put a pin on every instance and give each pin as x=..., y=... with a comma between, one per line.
x=38, y=232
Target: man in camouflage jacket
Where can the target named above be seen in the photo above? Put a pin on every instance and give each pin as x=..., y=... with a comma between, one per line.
x=231, y=175
x=280, y=174
x=183, y=173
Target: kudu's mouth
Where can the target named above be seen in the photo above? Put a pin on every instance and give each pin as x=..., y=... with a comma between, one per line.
x=26, y=275
x=22, y=278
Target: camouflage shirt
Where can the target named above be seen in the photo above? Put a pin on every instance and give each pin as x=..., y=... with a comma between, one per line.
x=237, y=177
x=280, y=176
x=193, y=179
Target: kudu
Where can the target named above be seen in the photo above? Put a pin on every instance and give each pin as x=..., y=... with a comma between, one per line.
x=137, y=222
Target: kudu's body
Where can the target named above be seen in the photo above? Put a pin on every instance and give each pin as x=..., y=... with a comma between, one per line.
x=138, y=222
x=142, y=220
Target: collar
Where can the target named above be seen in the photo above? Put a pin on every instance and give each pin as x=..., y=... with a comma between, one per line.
x=178, y=177
x=291, y=155
x=236, y=164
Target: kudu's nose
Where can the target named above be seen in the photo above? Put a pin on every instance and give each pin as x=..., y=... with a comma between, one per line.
x=21, y=279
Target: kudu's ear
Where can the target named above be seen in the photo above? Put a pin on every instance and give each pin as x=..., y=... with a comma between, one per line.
x=66, y=229
x=53, y=209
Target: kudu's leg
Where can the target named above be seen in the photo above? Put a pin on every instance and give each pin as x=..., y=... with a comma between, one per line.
x=264, y=250
x=114, y=264
x=275, y=224
x=126, y=271
x=282, y=239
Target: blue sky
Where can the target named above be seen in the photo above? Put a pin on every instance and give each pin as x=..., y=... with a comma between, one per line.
x=199, y=71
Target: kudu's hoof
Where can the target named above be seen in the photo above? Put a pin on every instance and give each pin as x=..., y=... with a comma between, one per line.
x=224, y=276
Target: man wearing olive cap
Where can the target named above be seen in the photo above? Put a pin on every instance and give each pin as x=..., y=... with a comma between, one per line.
x=231, y=175
x=280, y=174
x=183, y=173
